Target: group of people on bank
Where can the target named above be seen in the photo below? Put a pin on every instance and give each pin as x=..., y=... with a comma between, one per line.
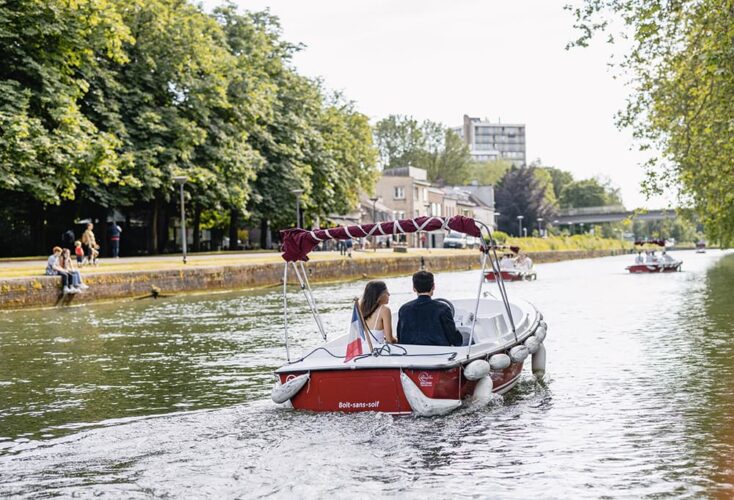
x=422, y=321
x=65, y=260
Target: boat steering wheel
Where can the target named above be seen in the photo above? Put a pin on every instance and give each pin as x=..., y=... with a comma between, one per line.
x=448, y=303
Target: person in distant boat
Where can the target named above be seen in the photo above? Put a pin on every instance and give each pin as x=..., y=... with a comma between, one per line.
x=425, y=321
x=524, y=263
x=507, y=262
x=651, y=258
x=639, y=259
x=377, y=315
x=667, y=258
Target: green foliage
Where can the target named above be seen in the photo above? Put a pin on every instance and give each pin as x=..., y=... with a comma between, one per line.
x=523, y=192
x=403, y=141
x=560, y=179
x=48, y=50
x=105, y=101
x=681, y=69
x=488, y=173
x=589, y=193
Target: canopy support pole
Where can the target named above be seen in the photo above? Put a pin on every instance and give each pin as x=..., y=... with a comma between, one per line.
x=303, y=280
x=476, y=306
x=285, y=312
x=492, y=246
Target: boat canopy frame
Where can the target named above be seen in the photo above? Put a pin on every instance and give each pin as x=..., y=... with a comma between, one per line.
x=298, y=243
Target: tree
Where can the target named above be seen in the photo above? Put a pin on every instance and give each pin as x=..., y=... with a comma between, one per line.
x=522, y=192
x=399, y=140
x=488, y=173
x=681, y=69
x=560, y=179
x=49, y=49
x=403, y=141
x=589, y=193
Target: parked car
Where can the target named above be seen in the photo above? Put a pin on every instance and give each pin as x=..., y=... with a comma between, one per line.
x=456, y=240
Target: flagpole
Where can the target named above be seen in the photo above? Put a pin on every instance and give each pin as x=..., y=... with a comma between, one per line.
x=364, y=323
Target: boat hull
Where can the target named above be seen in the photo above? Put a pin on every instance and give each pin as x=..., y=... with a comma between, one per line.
x=655, y=268
x=511, y=275
x=381, y=390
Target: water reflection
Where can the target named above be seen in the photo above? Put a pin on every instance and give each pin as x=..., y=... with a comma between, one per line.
x=169, y=397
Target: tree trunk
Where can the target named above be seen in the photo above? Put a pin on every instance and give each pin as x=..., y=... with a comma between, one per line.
x=164, y=217
x=234, y=220
x=264, y=230
x=40, y=240
x=153, y=228
x=197, y=229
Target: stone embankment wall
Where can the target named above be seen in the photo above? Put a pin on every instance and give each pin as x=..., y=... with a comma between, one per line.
x=45, y=291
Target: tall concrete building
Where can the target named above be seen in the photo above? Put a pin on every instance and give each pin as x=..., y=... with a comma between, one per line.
x=494, y=141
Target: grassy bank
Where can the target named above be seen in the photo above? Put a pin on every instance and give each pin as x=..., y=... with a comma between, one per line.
x=568, y=243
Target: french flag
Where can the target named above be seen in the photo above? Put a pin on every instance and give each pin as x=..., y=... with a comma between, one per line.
x=356, y=336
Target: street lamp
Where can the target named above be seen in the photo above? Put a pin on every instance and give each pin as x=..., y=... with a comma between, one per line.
x=181, y=180
x=496, y=219
x=540, y=228
x=298, y=193
x=374, y=221
x=519, y=225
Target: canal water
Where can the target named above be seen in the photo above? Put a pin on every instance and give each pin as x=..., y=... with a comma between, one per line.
x=171, y=398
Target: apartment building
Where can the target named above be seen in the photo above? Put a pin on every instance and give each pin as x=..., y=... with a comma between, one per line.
x=494, y=141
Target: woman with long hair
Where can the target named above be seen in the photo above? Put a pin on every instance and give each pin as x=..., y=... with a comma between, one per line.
x=376, y=313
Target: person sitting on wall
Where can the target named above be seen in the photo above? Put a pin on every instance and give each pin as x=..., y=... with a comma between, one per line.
x=54, y=268
x=425, y=321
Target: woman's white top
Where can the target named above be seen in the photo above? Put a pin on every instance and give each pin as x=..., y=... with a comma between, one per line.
x=377, y=335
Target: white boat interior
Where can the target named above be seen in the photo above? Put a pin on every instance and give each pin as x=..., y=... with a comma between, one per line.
x=492, y=333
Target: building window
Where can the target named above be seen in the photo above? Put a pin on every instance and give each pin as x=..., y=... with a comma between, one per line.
x=399, y=193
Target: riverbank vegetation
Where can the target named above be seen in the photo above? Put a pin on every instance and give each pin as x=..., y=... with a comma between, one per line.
x=679, y=63
x=563, y=242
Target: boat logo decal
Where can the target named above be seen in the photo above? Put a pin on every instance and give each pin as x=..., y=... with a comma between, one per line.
x=425, y=379
x=290, y=377
x=348, y=405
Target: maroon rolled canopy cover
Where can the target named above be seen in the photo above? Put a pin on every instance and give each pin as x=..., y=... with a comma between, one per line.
x=297, y=243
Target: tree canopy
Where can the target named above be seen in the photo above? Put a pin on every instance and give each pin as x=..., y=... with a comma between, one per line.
x=105, y=101
x=679, y=62
x=403, y=141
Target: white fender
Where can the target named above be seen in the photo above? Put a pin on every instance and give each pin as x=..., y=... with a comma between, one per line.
x=541, y=331
x=519, y=353
x=421, y=404
x=483, y=391
x=476, y=370
x=499, y=361
x=532, y=343
x=538, y=363
x=283, y=392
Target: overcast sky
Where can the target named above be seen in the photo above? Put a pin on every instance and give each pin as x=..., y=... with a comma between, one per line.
x=441, y=59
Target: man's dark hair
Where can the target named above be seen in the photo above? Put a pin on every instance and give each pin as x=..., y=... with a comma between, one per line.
x=423, y=281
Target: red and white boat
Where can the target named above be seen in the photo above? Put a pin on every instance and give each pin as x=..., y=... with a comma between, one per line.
x=403, y=378
x=511, y=269
x=651, y=263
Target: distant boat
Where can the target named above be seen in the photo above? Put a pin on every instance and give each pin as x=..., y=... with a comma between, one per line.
x=651, y=263
x=701, y=247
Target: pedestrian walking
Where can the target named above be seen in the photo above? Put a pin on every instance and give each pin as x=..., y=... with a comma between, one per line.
x=115, y=231
x=89, y=244
x=67, y=239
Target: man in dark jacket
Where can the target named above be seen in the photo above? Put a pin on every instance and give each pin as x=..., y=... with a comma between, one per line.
x=425, y=321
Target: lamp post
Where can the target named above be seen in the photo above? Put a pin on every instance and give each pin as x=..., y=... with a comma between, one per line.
x=519, y=225
x=298, y=193
x=181, y=180
x=496, y=219
x=540, y=227
x=374, y=220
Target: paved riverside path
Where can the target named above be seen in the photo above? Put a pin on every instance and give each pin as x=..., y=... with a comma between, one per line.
x=27, y=268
